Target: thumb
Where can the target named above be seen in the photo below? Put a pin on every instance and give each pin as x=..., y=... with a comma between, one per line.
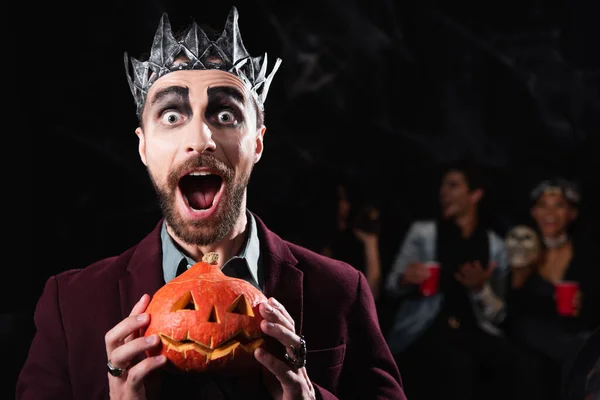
x=491, y=267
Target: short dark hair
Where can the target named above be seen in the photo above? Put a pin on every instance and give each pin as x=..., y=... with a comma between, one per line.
x=471, y=169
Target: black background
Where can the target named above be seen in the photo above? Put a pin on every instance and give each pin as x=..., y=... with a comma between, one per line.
x=378, y=91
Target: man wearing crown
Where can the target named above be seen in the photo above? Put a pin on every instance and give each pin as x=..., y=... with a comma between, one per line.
x=201, y=131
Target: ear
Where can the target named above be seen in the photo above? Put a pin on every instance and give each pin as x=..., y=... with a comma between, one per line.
x=477, y=195
x=260, y=135
x=573, y=213
x=142, y=144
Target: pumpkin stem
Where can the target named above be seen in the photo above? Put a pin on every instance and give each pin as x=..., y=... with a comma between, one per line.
x=211, y=258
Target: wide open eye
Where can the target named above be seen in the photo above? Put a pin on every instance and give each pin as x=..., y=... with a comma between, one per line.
x=171, y=118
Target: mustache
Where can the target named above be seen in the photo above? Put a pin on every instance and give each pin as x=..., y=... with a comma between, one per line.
x=203, y=161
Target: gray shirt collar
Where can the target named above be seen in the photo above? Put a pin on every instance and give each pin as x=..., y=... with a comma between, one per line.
x=172, y=256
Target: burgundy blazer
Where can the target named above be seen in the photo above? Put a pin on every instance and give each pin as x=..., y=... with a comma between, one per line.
x=329, y=300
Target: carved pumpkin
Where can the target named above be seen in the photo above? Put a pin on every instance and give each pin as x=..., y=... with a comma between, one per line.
x=206, y=320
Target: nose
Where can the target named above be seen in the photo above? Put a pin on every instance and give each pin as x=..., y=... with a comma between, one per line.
x=200, y=137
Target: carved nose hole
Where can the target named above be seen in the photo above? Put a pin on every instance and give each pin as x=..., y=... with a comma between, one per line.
x=214, y=316
x=241, y=305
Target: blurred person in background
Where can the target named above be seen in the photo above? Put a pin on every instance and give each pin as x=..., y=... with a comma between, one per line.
x=450, y=344
x=354, y=234
x=533, y=318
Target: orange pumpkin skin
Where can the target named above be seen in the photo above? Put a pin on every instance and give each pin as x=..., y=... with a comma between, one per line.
x=206, y=321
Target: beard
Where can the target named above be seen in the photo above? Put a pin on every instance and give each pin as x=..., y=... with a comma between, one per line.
x=222, y=221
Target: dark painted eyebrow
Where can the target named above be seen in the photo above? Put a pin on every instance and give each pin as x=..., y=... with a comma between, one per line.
x=179, y=91
x=226, y=91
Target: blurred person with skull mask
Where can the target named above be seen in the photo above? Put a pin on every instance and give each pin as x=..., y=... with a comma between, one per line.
x=451, y=344
x=545, y=254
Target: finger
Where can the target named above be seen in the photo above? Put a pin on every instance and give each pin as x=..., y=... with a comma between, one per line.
x=284, y=335
x=277, y=305
x=272, y=314
x=130, y=325
x=488, y=274
x=466, y=268
x=280, y=369
x=137, y=309
x=141, y=305
x=358, y=232
x=577, y=299
x=416, y=265
x=422, y=270
x=137, y=373
x=122, y=356
x=491, y=267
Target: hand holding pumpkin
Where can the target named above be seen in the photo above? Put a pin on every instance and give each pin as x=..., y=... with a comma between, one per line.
x=124, y=345
x=290, y=383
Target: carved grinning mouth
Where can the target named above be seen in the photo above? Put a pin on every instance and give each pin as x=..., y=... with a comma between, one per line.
x=240, y=340
x=199, y=189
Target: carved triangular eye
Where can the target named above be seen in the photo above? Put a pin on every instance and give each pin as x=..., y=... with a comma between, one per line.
x=214, y=316
x=186, y=302
x=241, y=305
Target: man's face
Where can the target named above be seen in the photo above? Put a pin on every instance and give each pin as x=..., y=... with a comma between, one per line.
x=552, y=213
x=456, y=198
x=200, y=142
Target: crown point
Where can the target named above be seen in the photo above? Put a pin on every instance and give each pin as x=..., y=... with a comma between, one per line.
x=227, y=53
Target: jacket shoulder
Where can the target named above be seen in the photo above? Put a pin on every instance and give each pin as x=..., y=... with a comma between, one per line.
x=426, y=228
x=496, y=241
x=309, y=261
x=325, y=274
x=94, y=274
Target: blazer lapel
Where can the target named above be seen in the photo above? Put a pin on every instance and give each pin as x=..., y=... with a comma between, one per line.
x=145, y=272
x=283, y=280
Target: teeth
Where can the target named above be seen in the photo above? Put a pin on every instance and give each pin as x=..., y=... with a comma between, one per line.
x=199, y=173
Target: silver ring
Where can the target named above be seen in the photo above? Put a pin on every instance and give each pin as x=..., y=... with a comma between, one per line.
x=299, y=359
x=114, y=371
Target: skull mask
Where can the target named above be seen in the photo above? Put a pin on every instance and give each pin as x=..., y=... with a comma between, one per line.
x=523, y=246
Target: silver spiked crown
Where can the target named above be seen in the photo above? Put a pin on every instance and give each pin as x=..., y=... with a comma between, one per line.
x=226, y=53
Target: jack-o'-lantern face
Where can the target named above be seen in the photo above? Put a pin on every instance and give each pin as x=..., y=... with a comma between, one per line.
x=207, y=321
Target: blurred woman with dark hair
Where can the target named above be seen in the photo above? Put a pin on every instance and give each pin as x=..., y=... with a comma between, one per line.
x=538, y=315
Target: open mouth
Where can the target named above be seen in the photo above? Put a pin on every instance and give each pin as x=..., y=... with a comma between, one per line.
x=200, y=188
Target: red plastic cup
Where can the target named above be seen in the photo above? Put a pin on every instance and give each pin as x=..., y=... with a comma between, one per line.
x=564, y=295
x=430, y=286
